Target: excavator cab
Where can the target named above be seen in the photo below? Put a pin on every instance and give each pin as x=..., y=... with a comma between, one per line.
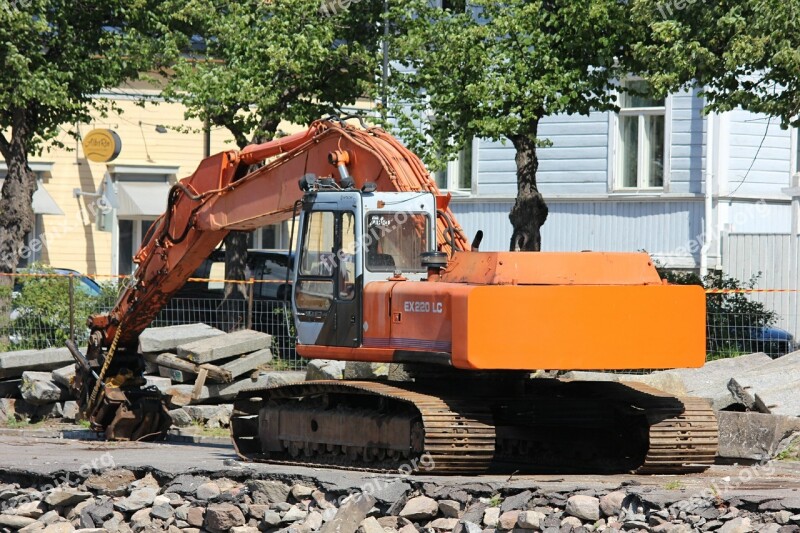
x=349, y=238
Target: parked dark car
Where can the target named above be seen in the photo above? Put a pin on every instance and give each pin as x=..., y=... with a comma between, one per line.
x=203, y=301
x=775, y=342
x=82, y=282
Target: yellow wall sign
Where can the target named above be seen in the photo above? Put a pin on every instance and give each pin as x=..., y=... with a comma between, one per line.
x=101, y=146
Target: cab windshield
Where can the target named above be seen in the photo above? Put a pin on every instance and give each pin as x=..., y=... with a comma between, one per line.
x=395, y=241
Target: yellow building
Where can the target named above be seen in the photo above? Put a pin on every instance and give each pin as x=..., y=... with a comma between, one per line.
x=91, y=217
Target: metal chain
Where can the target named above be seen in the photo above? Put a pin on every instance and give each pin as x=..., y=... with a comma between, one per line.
x=106, y=364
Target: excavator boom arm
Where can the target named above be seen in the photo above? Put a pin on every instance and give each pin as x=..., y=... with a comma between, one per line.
x=224, y=195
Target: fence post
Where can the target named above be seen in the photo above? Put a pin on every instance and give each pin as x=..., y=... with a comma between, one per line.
x=71, y=307
x=250, y=297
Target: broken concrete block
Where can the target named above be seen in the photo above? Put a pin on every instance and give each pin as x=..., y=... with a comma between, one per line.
x=180, y=418
x=754, y=436
x=64, y=376
x=38, y=388
x=170, y=337
x=204, y=413
x=711, y=380
x=249, y=362
x=669, y=382
x=160, y=383
x=770, y=388
x=228, y=391
x=7, y=409
x=71, y=411
x=324, y=369
x=13, y=364
x=361, y=370
x=223, y=346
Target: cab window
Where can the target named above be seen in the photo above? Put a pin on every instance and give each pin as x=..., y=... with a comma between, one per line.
x=395, y=241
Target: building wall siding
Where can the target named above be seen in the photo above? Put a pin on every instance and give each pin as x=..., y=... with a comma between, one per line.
x=752, y=171
x=670, y=231
x=687, y=155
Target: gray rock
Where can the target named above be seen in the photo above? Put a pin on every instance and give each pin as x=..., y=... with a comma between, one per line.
x=516, y=502
x=267, y=491
x=737, y=525
x=755, y=436
x=362, y=370
x=185, y=484
x=321, y=369
x=38, y=388
x=169, y=338
x=138, y=499
x=370, y=525
x=571, y=522
x=220, y=517
x=208, y=491
x=471, y=527
x=111, y=482
x=13, y=364
x=64, y=376
x=8, y=408
x=32, y=509
x=583, y=507
x=195, y=516
x=611, y=503
x=313, y=521
x=294, y=514
x=50, y=410
x=769, y=388
x=59, y=527
x=442, y=524
x=66, y=497
x=273, y=379
x=14, y=521
x=158, y=382
x=301, y=492
x=180, y=418
x=271, y=519
x=450, y=508
x=224, y=346
x=162, y=512
x=474, y=513
x=100, y=512
x=508, y=520
x=420, y=508
x=490, y=516
x=71, y=411
x=351, y=513
x=530, y=519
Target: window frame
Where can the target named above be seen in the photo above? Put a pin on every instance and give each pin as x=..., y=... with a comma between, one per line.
x=451, y=174
x=616, y=162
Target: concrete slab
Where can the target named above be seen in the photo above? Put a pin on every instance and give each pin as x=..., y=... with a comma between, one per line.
x=754, y=436
x=223, y=346
x=770, y=388
x=668, y=381
x=228, y=391
x=170, y=337
x=38, y=388
x=13, y=364
x=248, y=362
x=64, y=375
x=160, y=383
x=711, y=380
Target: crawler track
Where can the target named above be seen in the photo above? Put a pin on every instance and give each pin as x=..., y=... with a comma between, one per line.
x=552, y=427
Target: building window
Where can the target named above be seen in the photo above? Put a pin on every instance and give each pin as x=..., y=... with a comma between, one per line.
x=457, y=176
x=131, y=234
x=641, y=139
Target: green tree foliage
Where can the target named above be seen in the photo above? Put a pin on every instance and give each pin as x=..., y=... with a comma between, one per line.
x=495, y=69
x=742, y=52
x=54, y=55
x=41, y=310
x=733, y=319
x=252, y=64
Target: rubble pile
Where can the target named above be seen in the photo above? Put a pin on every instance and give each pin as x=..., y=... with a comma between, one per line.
x=116, y=501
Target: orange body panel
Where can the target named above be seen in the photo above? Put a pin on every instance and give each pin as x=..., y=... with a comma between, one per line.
x=611, y=311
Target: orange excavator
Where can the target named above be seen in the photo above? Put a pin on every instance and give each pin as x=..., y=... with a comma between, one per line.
x=384, y=274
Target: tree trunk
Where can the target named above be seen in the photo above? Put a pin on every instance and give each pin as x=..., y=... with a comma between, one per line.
x=16, y=216
x=236, y=264
x=530, y=210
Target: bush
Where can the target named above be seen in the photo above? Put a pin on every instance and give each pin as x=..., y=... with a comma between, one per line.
x=41, y=311
x=733, y=319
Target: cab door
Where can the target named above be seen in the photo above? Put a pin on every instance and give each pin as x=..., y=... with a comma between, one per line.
x=328, y=285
